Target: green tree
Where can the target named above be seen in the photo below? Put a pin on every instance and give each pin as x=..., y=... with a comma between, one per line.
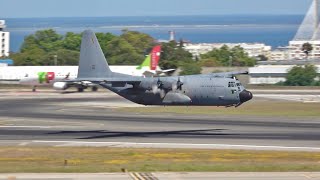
x=173, y=56
x=307, y=48
x=32, y=57
x=122, y=52
x=190, y=69
x=212, y=62
x=228, y=57
x=140, y=41
x=301, y=76
x=47, y=40
x=104, y=39
x=64, y=57
x=262, y=58
x=41, y=47
x=72, y=41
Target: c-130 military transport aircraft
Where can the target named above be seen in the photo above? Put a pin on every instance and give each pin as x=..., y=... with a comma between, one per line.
x=217, y=89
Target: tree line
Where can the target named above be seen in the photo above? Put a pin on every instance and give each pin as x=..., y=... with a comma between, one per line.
x=47, y=47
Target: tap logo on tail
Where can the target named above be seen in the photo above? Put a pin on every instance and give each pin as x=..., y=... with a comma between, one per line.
x=45, y=77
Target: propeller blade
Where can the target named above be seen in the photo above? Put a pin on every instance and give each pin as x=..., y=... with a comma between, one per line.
x=174, y=87
x=179, y=84
x=155, y=89
x=162, y=93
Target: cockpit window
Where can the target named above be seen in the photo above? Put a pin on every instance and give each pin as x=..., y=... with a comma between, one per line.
x=232, y=84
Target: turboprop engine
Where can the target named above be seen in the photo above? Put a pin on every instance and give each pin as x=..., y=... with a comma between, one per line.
x=60, y=85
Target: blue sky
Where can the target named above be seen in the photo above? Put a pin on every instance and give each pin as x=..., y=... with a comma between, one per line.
x=94, y=8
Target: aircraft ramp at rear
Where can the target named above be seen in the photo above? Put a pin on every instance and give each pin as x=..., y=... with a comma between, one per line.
x=94, y=119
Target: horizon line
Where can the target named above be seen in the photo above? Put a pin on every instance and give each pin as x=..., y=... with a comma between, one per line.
x=239, y=14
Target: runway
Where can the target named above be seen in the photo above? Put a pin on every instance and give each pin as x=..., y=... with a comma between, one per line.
x=93, y=119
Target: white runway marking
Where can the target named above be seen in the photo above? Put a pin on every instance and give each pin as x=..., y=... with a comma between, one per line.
x=176, y=145
x=24, y=144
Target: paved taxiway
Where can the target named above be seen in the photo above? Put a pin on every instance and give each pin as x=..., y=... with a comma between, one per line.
x=93, y=119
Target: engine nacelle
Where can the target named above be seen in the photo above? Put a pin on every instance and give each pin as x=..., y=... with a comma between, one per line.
x=60, y=86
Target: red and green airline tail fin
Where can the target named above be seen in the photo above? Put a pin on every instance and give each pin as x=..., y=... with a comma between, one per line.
x=152, y=59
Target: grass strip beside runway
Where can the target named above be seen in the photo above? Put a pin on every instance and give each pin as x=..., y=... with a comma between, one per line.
x=254, y=108
x=98, y=159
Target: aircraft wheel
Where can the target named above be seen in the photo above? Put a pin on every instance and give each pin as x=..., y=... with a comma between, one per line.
x=94, y=88
x=80, y=89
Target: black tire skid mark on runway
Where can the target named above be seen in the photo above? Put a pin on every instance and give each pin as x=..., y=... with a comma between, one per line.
x=182, y=134
x=157, y=120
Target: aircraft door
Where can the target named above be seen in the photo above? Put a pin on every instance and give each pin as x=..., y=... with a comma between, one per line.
x=220, y=92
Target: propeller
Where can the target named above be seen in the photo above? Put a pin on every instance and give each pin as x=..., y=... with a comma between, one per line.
x=163, y=87
x=178, y=85
x=158, y=88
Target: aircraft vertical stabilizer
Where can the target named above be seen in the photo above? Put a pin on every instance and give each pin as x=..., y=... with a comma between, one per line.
x=152, y=60
x=155, y=57
x=92, y=62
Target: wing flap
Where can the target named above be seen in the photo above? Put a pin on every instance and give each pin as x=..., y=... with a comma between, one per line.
x=229, y=74
x=115, y=82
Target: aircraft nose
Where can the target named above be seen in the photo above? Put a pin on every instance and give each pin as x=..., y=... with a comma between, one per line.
x=245, y=96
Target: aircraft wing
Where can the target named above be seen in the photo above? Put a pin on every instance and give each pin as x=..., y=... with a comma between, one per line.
x=151, y=73
x=229, y=74
x=148, y=73
x=114, y=82
x=165, y=71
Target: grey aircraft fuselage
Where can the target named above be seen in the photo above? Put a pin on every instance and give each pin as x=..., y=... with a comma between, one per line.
x=195, y=90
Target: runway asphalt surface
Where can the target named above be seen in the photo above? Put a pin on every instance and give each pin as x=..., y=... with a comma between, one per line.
x=93, y=119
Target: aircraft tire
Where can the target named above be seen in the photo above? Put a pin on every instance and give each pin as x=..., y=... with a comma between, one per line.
x=80, y=89
x=94, y=88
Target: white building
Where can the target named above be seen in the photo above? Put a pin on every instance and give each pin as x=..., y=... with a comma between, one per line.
x=197, y=49
x=281, y=53
x=253, y=49
x=256, y=49
x=297, y=53
x=270, y=74
x=4, y=40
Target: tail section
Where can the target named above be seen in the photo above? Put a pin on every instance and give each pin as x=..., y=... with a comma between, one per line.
x=146, y=63
x=152, y=60
x=155, y=57
x=92, y=62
